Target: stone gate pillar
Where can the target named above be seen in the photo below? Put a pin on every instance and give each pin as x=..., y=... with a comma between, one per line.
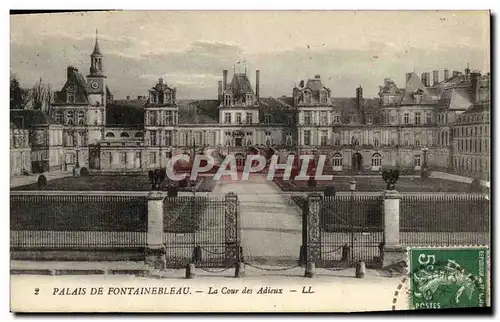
x=232, y=237
x=393, y=251
x=313, y=231
x=155, y=252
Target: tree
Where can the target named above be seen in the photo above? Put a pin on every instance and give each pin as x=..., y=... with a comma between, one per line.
x=41, y=95
x=19, y=97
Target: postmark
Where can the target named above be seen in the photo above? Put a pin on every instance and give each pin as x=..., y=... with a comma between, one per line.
x=449, y=277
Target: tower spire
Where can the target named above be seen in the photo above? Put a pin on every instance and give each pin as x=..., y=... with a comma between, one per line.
x=96, y=51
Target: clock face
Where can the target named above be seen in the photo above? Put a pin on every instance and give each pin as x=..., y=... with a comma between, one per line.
x=94, y=85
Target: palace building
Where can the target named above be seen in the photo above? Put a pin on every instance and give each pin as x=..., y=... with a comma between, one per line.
x=422, y=122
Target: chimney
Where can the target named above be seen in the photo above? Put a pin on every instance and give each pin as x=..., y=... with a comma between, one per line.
x=427, y=82
x=359, y=96
x=69, y=71
x=422, y=79
x=475, y=76
x=220, y=90
x=317, y=76
x=408, y=75
x=128, y=97
x=224, y=79
x=435, y=77
x=446, y=74
x=257, y=84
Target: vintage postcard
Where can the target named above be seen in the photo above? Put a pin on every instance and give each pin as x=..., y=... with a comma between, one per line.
x=250, y=161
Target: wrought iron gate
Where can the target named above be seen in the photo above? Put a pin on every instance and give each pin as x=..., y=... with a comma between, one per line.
x=203, y=230
x=341, y=230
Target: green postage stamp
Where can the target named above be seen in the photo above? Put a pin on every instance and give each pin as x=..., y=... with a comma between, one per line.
x=452, y=277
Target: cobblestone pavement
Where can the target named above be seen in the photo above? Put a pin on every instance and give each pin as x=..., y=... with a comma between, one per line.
x=270, y=224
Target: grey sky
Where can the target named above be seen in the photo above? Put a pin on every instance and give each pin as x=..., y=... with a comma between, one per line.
x=190, y=49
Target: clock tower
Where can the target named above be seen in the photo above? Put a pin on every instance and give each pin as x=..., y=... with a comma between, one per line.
x=96, y=86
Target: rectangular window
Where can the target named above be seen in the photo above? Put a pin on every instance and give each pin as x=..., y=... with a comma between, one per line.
x=429, y=118
x=323, y=118
x=307, y=118
x=336, y=119
x=152, y=138
x=152, y=157
x=324, y=137
x=369, y=119
x=123, y=157
x=238, y=118
x=417, y=118
x=59, y=117
x=307, y=137
x=168, y=118
x=249, y=118
x=70, y=97
x=168, y=138
x=227, y=117
x=267, y=118
x=290, y=120
x=406, y=118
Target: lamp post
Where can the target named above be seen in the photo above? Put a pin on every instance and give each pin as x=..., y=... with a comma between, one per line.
x=352, y=187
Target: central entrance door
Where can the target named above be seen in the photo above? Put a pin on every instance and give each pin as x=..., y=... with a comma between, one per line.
x=357, y=162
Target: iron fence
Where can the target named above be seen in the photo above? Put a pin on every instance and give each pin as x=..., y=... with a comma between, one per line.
x=461, y=219
x=352, y=230
x=77, y=221
x=195, y=231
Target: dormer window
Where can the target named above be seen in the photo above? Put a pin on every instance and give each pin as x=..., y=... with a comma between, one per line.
x=249, y=100
x=161, y=98
x=227, y=100
x=168, y=98
x=324, y=97
x=307, y=97
x=267, y=118
x=70, y=96
x=369, y=119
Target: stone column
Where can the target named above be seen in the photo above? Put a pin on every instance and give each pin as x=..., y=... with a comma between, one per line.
x=393, y=251
x=155, y=252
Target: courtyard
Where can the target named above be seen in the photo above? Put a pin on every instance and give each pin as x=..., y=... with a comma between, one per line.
x=375, y=184
x=110, y=183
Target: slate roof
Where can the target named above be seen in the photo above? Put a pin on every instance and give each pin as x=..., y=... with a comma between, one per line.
x=348, y=106
x=25, y=119
x=478, y=108
x=240, y=85
x=415, y=87
x=277, y=108
x=125, y=112
x=76, y=80
x=314, y=84
x=198, y=111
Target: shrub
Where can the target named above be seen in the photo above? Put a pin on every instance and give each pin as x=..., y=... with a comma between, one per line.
x=42, y=181
x=390, y=177
x=84, y=172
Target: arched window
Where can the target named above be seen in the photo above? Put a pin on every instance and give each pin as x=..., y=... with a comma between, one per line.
x=139, y=135
x=110, y=135
x=227, y=99
x=228, y=143
x=376, y=161
x=249, y=142
x=124, y=135
x=337, y=160
x=376, y=142
x=268, y=142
